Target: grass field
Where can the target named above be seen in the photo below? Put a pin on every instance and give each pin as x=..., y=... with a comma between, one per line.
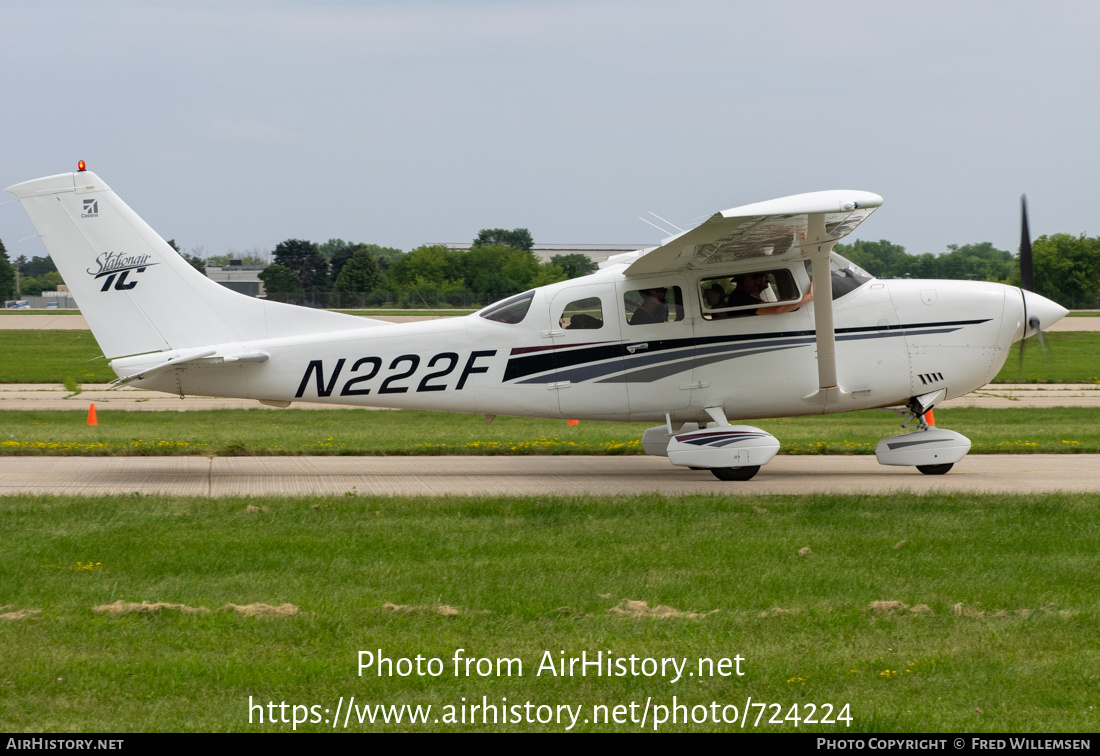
x=368, y=432
x=52, y=356
x=921, y=613
x=1070, y=357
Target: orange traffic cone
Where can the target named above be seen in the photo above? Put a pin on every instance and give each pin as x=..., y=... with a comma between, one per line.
x=929, y=418
x=91, y=415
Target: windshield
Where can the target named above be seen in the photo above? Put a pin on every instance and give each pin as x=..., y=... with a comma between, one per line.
x=847, y=276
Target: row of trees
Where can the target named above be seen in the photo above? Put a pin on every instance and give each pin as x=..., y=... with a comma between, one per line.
x=35, y=276
x=1067, y=268
x=500, y=262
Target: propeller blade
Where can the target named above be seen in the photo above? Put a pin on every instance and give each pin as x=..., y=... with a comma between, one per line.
x=1027, y=270
x=1039, y=333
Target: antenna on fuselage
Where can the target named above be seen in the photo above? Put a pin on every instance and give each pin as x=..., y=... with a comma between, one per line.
x=662, y=230
x=666, y=221
x=659, y=228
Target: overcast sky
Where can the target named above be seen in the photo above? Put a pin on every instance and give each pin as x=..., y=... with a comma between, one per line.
x=237, y=124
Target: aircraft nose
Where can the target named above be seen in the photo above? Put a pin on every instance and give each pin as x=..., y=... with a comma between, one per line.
x=1041, y=313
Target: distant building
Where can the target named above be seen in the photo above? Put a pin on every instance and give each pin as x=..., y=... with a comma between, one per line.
x=594, y=252
x=244, y=279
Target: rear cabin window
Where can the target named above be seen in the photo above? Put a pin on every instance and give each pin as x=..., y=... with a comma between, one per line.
x=582, y=314
x=745, y=293
x=512, y=310
x=658, y=304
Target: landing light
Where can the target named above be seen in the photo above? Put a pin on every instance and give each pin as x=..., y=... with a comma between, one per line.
x=80, y=167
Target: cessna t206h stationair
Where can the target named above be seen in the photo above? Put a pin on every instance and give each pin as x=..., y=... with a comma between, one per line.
x=748, y=315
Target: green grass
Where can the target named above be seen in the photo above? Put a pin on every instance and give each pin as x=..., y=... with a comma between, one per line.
x=51, y=356
x=42, y=311
x=367, y=432
x=1070, y=357
x=1083, y=314
x=1007, y=641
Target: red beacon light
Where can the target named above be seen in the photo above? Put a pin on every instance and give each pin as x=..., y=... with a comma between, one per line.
x=80, y=167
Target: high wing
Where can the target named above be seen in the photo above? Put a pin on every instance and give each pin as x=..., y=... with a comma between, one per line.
x=777, y=229
x=799, y=227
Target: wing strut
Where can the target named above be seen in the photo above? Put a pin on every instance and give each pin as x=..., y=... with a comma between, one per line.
x=820, y=246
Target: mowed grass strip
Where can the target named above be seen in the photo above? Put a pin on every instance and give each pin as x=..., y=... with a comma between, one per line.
x=51, y=356
x=407, y=432
x=1069, y=357
x=923, y=613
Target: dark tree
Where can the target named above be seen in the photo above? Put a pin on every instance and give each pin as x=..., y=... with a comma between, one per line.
x=574, y=265
x=1067, y=265
x=360, y=273
x=499, y=269
x=303, y=258
x=7, y=274
x=518, y=238
x=280, y=282
x=38, y=266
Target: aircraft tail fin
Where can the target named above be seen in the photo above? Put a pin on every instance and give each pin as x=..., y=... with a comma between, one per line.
x=136, y=292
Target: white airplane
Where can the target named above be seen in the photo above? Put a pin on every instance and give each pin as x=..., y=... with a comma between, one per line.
x=748, y=315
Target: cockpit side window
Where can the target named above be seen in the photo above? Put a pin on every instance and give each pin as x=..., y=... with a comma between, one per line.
x=511, y=311
x=756, y=292
x=582, y=314
x=656, y=304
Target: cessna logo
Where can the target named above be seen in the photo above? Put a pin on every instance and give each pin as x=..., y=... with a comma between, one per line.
x=91, y=209
x=116, y=267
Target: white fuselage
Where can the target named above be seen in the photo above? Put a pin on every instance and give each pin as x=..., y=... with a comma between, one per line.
x=894, y=340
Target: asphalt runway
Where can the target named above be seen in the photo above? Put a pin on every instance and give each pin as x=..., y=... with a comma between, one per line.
x=529, y=476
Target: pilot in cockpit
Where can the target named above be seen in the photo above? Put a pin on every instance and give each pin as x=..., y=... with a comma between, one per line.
x=749, y=289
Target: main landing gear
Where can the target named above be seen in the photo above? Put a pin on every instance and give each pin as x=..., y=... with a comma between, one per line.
x=735, y=473
x=730, y=452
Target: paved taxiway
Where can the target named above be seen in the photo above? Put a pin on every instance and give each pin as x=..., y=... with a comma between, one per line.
x=529, y=476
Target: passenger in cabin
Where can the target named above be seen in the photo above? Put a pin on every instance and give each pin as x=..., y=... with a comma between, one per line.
x=714, y=294
x=653, y=308
x=583, y=320
x=749, y=290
